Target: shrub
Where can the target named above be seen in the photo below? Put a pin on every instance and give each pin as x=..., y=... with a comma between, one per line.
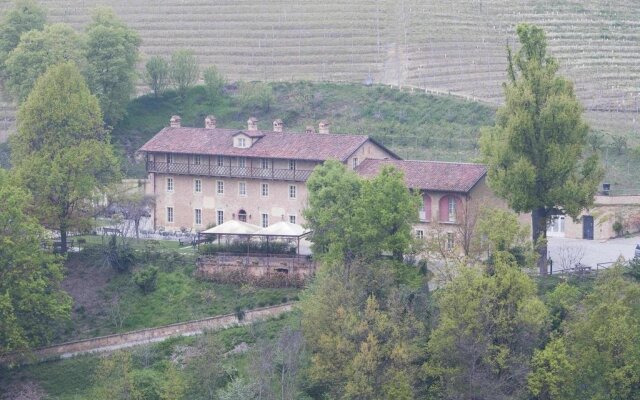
x=618, y=228
x=146, y=279
x=119, y=257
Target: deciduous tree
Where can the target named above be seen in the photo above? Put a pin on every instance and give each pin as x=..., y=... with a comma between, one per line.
x=61, y=152
x=157, y=75
x=25, y=16
x=184, y=70
x=37, y=51
x=535, y=150
x=31, y=300
x=112, y=52
x=213, y=84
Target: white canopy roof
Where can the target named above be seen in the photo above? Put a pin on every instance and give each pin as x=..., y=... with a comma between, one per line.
x=233, y=227
x=282, y=228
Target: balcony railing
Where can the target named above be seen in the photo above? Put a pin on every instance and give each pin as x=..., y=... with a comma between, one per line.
x=298, y=175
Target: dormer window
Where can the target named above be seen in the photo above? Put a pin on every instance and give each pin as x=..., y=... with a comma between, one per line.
x=242, y=142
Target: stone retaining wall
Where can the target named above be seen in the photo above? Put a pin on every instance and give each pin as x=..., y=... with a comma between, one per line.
x=144, y=336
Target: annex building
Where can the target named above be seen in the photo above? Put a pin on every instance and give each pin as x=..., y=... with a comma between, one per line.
x=205, y=176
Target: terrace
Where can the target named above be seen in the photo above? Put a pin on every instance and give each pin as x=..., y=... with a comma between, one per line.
x=295, y=175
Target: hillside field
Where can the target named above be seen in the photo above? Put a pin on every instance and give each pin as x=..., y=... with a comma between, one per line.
x=455, y=47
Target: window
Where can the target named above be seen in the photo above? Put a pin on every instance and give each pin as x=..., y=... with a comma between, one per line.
x=242, y=142
x=419, y=234
x=197, y=160
x=292, y=164
x=198, y=216
x=452, y=209
x=265, y=220
x=220, y=217
x=292, y=191
x=169, y=214
x=169, y=184
x=169, y=158
x=292, y=219
x=264, y=163
x=197, y=185
x=220, y=187
x=355, y=162
x=220, y=161
x=449, y=240
x=264, y=191
x=242, y=162
x=242, y=189
x=242, y=216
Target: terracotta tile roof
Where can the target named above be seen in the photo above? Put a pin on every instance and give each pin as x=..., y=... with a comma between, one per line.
x=287, y=145
x=430, y=175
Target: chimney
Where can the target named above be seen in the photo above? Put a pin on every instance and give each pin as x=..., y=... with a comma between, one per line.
x=210, y=122
x=174, y=122
x=252, y=124
x=309, y=129
x=323, y=127
x=278, y=125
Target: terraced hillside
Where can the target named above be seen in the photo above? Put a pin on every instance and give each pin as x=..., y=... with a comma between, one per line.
x=456, y=46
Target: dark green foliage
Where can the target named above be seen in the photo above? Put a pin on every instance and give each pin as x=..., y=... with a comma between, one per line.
x=146, y=279
x=26, y=15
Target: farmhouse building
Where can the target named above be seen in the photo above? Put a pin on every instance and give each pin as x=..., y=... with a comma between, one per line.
x=205, y=176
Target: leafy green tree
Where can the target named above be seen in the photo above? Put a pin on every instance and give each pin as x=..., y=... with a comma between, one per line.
x=535, y=150
x=213, y=84
x=510, y=238
x=353, y=218
x=37, y=51
x=363, y=334
x=487, y=329
x=597, y=354
x=25, y=16
x=237, y=389
x=61, y=152
x=157, y=74
x=31, y=300
x=184, y=70
x=115, y=378
x=112, y=52
x=255, y=96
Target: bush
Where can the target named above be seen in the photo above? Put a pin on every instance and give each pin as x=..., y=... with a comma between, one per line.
x=618, y=228
x=119, y=257
x=146, y=279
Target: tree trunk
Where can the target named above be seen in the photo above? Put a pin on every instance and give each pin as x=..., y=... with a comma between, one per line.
x=539, y=236
x=63, y=239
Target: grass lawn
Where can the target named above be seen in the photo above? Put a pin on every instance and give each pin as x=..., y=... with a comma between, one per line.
x=108, y=302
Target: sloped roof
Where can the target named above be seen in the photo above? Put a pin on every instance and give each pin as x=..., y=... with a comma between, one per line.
x=430, y=175
x=283, y=228
x=233, y=227
x=287, y=145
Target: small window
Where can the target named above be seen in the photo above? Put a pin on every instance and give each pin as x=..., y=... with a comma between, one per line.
x=242, y=162
x=242, y=189
x=220, y=217
x=198, y=216
x=197, y=160
x=169, y=184
x=169, y=214
x=169, y=158
x=220, y=161
x=242, y=216
x=419, y=233
x=292, y=164
x=264, y=192
x=220, y=187
x=450, y=242
x=292, y=219
x=197, y=185
x=242, y=142
x=264, y=163
x=265, y=220
x=292, y=191
x=355, y=162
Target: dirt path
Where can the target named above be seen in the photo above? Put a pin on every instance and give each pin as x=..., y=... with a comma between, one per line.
x=145, y=336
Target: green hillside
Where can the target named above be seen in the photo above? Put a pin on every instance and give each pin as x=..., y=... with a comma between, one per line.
x=452, y=47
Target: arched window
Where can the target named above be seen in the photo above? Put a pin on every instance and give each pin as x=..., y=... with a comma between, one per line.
x=242, y=216
x=450, y=208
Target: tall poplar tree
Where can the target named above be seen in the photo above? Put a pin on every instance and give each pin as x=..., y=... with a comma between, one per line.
x=535, y=150
x=61, y=151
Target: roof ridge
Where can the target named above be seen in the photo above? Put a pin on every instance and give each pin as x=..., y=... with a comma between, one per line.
x=427, y=161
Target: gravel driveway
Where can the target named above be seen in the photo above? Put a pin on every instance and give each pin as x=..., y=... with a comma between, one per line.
x=590, y=252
